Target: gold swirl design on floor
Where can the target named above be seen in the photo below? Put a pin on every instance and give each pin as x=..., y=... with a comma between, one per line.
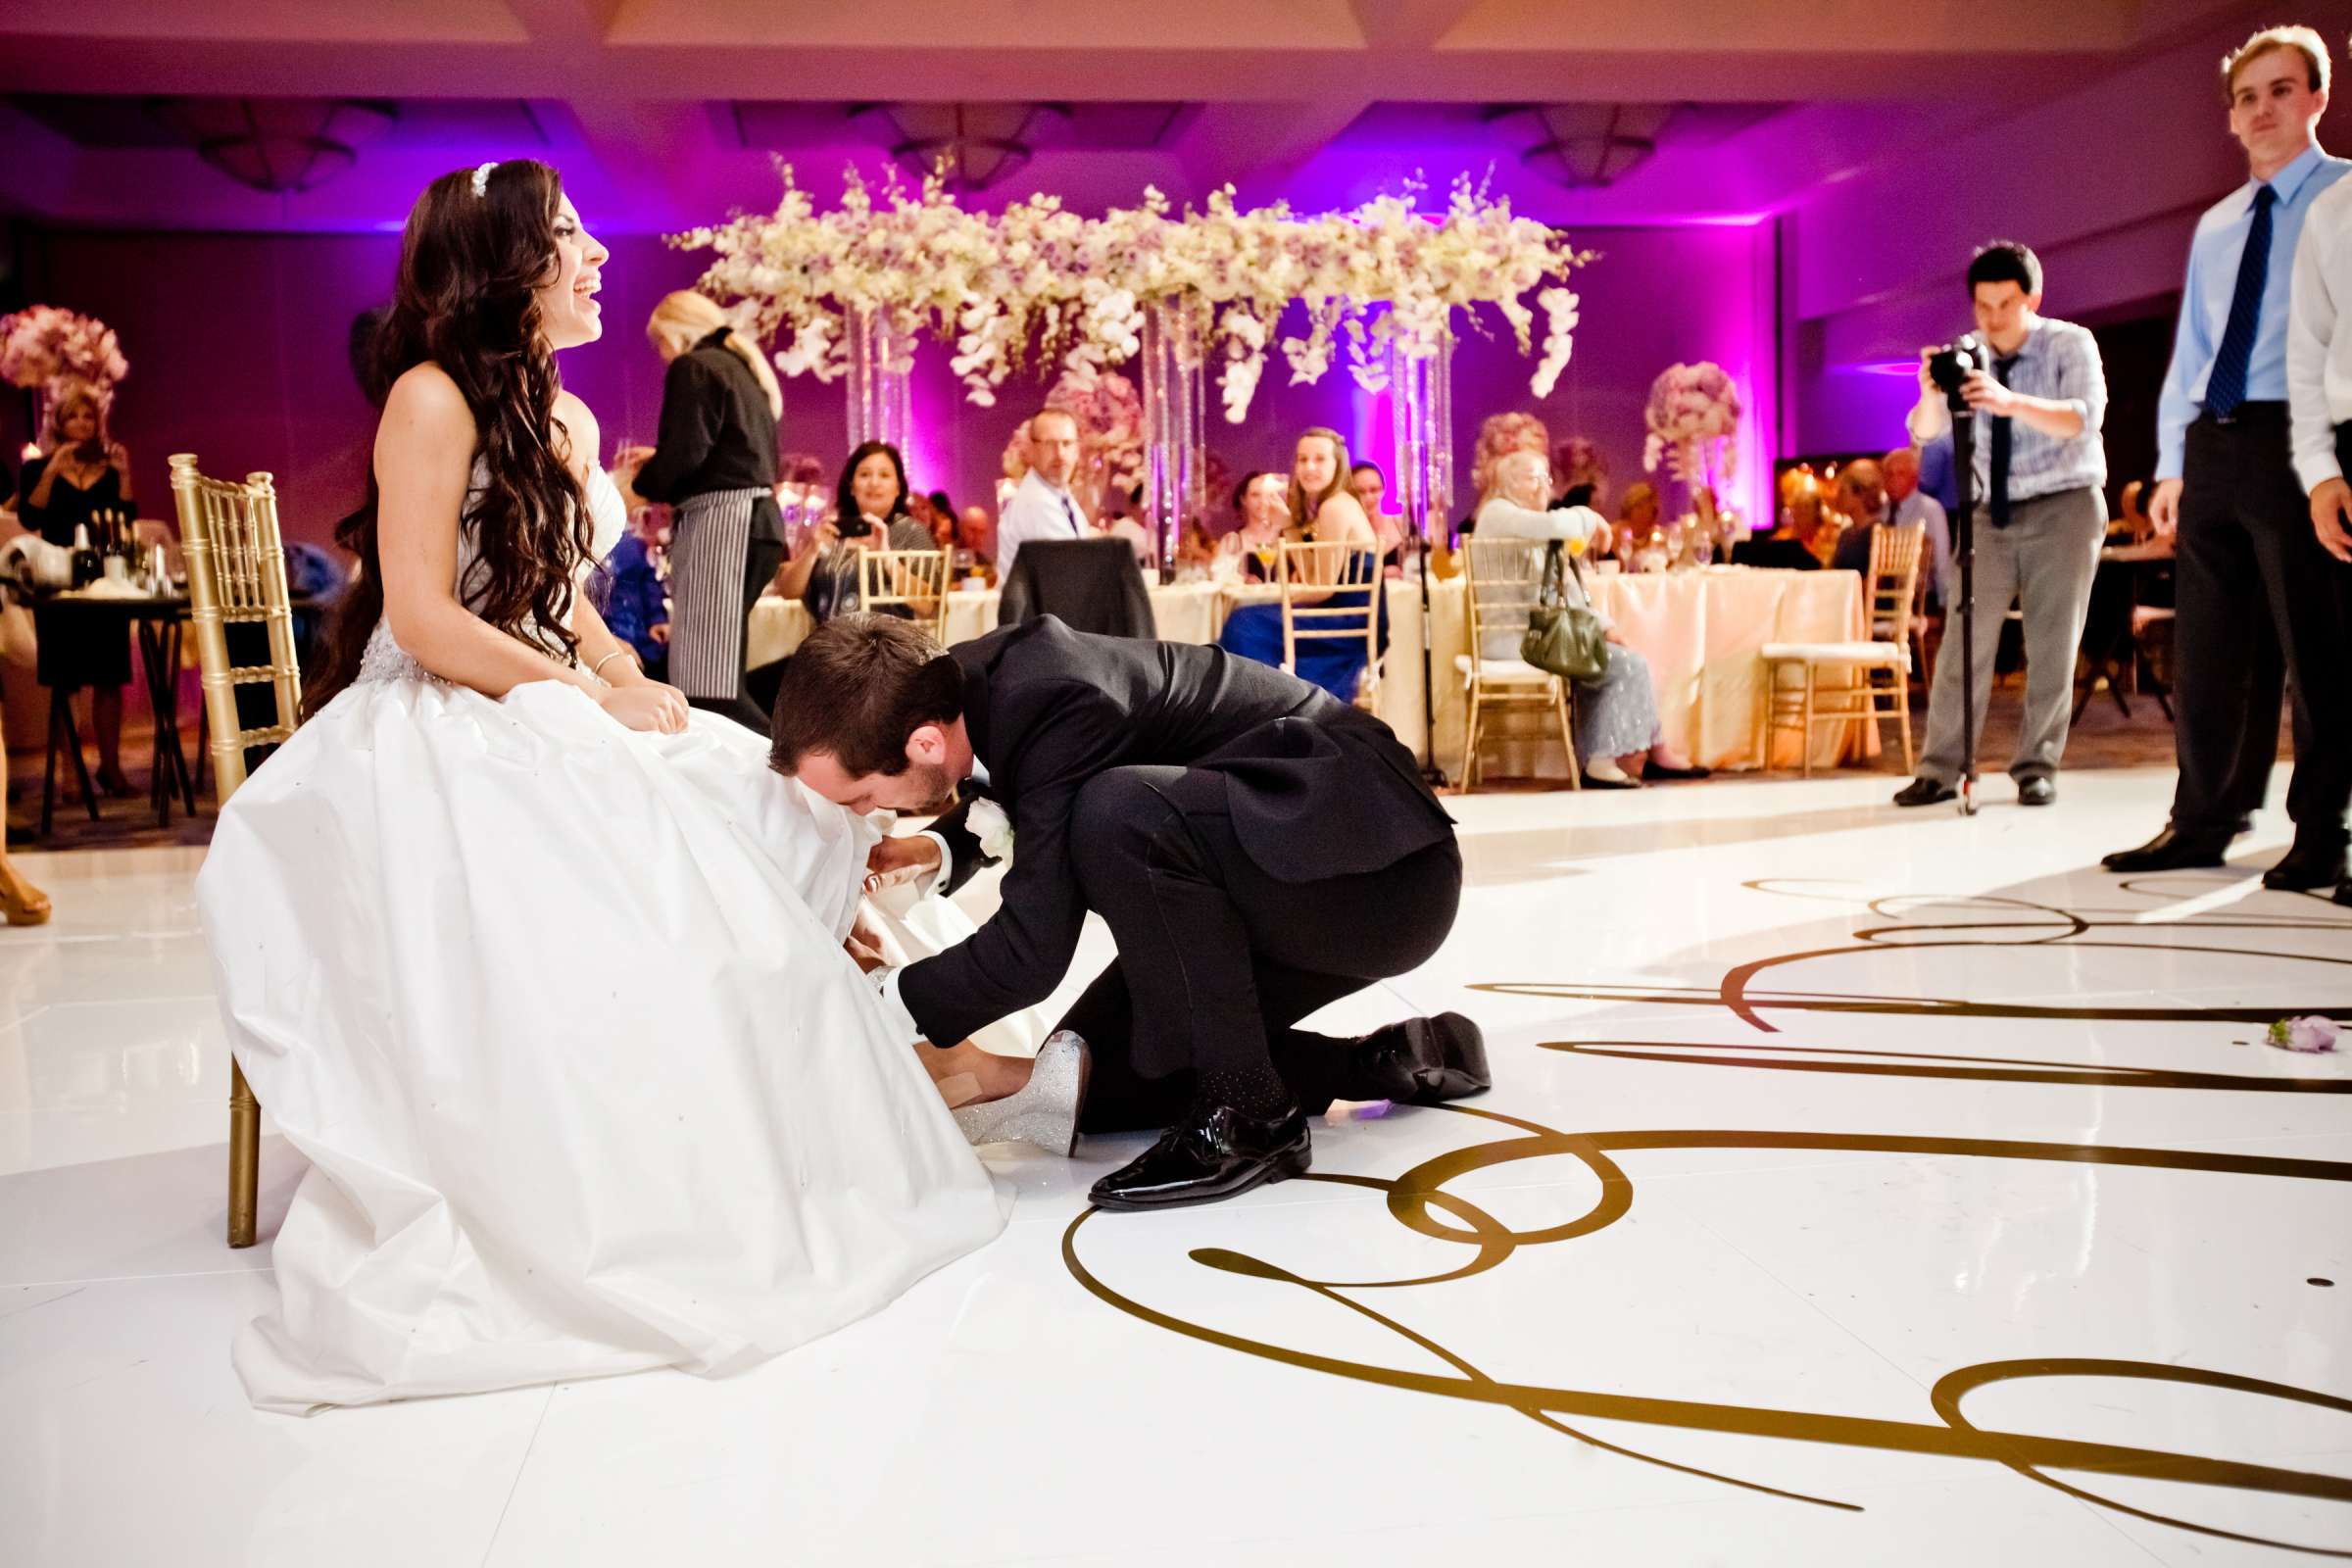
x=1419, y=1200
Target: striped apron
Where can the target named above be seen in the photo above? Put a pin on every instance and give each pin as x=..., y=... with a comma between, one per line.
x=709, y=545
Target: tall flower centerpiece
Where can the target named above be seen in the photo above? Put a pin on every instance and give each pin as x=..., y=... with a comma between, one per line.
x=44, y=347
x=1693, y=417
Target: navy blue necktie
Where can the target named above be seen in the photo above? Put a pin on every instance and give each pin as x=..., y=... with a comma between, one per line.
x=1997, y=503
x=2226, y=388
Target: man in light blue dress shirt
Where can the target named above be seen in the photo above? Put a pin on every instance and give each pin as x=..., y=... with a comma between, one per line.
x=2253, y=587
x=1042, y=505
x=2040, y=512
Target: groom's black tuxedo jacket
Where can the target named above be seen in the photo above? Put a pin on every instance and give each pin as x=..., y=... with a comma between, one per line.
x=1316, y=789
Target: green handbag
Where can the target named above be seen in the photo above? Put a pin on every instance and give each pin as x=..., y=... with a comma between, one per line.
x=1565, y=639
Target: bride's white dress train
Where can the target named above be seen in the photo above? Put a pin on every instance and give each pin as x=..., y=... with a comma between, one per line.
x=560, y=1015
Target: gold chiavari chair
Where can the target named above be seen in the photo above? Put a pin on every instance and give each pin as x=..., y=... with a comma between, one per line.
x=1876, y=675
x=1504, y=576
x=1311, y=574
x=915, y=580
x=236, y=564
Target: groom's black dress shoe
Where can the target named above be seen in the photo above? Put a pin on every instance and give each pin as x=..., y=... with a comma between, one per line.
x=1423, y=1061
x=2313, y=863
x=1216, y=1151
x=2170, y=851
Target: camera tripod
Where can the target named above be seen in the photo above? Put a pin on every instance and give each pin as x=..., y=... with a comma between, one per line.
x=1964, y=543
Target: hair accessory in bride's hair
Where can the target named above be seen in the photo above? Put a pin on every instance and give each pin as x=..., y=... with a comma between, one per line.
x=482, y=177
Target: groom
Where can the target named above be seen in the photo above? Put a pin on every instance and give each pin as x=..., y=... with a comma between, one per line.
x=1258, y=848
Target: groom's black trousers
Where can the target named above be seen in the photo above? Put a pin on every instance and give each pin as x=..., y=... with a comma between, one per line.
x=1217, y=961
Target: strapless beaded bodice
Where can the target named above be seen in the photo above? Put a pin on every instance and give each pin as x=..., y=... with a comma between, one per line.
x=607, y=516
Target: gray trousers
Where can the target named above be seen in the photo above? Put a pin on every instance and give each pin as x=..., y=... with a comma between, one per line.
x=2043, y=561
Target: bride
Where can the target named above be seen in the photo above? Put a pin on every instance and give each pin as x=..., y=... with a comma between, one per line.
x=543, y=972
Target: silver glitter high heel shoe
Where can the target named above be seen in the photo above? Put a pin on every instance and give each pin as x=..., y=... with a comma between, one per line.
x=1046, y=1111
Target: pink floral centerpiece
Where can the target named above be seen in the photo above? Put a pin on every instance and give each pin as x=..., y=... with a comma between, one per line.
x=43, y=342
x=1693, y=419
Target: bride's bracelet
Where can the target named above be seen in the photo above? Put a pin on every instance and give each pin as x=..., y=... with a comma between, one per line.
x=596, y=670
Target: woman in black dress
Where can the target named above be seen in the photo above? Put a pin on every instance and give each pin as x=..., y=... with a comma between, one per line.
x=80, y=476
x=714, y=462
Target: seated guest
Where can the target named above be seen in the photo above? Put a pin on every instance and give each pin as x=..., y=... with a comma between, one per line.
x=1861, y=499
x=1262, y=501
x=1866, y=498
x=869, y=513
x=1201, y=559
x=919, y=511
x=1907, y=503
x=1321, y=511
x=976, y=536
x=1498, y=437
x=630, y=595
x=1794, y=545
x=1128, y=527
x=1578, y=466
x=1617, y=738
x=1040, y=506
x=1637, y=523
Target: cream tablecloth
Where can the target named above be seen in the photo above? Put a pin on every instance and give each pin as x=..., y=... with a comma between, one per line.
x=1703, y=632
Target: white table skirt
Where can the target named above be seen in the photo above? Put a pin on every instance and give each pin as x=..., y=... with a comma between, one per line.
x=1703, y=632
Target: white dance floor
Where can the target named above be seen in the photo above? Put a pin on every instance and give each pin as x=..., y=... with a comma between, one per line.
x=1858, y=1187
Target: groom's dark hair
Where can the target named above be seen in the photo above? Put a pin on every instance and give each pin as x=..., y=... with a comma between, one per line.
x=856, y=689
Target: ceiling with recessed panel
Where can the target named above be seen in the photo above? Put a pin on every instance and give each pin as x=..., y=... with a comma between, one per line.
x=666, y=112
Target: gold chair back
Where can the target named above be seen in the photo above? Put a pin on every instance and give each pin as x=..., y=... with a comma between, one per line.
x=237, y=563
x=1894, y=559
x=1310, y=574
x=1504, y=577
x=914, y=579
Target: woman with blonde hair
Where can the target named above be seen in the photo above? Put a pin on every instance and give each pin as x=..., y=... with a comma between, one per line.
x=1321, y=511
x=80, y=477
x=714, y=462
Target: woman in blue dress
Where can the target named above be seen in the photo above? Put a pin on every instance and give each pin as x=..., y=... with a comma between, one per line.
x=1323, y=512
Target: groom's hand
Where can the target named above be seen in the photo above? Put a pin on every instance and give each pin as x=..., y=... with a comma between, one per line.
x=897, y=860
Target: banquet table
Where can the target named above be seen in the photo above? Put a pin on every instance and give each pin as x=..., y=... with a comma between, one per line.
x=158, y=619
x=1702, y=631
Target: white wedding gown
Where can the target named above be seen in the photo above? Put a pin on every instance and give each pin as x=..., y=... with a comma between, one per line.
x=560, y=1014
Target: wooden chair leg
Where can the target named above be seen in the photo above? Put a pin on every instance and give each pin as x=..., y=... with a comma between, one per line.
x=1470, y=742
x=244, y=1157
x=1804, y=727
x=1560, y=699
x=1902, y=713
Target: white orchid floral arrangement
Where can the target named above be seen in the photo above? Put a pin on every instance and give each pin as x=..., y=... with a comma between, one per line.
x=1039, y=284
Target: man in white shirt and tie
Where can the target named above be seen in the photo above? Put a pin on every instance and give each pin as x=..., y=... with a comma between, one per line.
x=2318, y=388
x=1042, y=505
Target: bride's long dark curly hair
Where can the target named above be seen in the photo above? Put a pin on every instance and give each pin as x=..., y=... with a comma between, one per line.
x=466, y=301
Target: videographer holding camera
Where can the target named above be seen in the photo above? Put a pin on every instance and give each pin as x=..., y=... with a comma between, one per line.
x=2040, y=512
x=2254, y=591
